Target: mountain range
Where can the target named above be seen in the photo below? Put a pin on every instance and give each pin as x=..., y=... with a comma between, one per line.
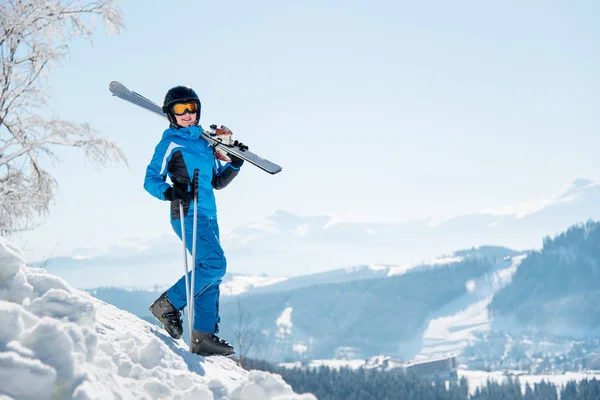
x=284, y=244
x=403, y=309
x=367, y=310
x=427, y=310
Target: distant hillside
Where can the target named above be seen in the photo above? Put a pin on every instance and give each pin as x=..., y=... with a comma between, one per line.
x=378, y=316
x=284, y=244
x=134, y=301
x=365, y=310
x=375, y=271
x=557, y=289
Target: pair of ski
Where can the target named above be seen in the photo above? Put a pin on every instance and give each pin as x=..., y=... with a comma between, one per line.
x=241, y=151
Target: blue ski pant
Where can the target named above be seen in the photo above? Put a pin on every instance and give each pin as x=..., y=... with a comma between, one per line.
x=210, y=266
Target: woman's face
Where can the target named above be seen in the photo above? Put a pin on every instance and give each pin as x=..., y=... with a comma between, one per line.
x=185, y=113
x=186, y=119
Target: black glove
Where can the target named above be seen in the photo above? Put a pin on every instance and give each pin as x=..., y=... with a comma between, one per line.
x=178, y=192
x=235, y=160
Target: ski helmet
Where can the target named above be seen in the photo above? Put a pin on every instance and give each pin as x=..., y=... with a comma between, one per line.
x=180, y=94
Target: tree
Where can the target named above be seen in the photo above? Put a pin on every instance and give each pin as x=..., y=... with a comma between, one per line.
x=34, y=35
x=244, y=333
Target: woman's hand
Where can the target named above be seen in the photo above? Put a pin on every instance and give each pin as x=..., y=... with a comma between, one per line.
x=178, y=192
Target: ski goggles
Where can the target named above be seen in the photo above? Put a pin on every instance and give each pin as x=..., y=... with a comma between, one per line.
x=182, y=108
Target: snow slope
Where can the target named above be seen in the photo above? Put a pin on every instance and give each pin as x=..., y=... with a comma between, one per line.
x=57, y=342
x=454, y=326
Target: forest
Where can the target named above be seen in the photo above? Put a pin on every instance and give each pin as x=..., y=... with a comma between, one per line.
x=556, y=289
x=372, y=384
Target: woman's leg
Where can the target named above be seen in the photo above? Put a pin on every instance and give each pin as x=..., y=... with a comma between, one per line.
x=210, y=268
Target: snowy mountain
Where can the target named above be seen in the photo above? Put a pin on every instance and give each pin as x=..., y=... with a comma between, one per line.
x=528, y=306
x=288, y=243
x=284, y=244
x=57, y=342
x=137, y=300
x=429, y=310
x=556, y=289
x=425, y=310
x=291, y=303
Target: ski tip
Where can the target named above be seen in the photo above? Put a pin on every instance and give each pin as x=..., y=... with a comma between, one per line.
x=115, y=86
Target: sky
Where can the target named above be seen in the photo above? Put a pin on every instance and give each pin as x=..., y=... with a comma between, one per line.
x=377, y=111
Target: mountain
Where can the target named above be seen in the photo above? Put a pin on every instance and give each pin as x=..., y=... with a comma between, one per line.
x=61, y=343
x=393, y=314
x=371, y=309
x=499, y=306
x=524, y=306
x=137, y=300
x=556, y=289
x=284, y=244
x=288, y=243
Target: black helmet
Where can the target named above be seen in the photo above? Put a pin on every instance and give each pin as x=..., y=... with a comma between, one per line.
x=179, y=94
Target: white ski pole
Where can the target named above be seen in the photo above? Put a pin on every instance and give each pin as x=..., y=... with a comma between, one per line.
x=187, y=286
x=194, y=234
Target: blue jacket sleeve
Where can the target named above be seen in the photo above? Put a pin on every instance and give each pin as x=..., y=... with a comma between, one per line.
x=156, y=172
x=223, y=174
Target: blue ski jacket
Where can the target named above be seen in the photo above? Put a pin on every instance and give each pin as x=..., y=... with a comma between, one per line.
x=177, y=155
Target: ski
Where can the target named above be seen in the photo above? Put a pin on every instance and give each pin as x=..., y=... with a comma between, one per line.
x=119, y=90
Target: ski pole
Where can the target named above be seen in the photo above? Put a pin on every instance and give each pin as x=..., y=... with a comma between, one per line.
x=185, y=264
x=194, y=233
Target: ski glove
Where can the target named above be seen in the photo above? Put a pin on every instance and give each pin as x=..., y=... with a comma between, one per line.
x=177, y=192
x=236, y=161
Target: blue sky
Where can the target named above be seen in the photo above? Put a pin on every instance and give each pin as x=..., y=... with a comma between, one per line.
x=379, y=110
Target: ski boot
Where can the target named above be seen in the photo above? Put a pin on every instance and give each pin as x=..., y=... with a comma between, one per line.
x=209, y=344
x=169, y=316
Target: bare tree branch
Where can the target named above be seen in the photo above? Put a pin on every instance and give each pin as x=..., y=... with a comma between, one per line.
x=34, y=36
x=244, y=332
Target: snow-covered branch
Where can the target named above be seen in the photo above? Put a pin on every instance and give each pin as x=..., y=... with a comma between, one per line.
x=34, y=36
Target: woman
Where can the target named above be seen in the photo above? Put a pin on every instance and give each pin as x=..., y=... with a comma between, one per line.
x=180, y=152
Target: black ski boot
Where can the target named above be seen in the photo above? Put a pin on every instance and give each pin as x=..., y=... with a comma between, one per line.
x=209, y=344
x=169, y=316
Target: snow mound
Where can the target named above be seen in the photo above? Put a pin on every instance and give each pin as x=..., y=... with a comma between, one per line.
x=57, y=342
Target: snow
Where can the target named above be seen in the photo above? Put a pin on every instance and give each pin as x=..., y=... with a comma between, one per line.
x=249, y=238
x=79, y=258
x=377, y=268
x=335, y=219
x=302, y=230
x=334, y=364
x=284, y=323
x=479, y=378
x=57, y=342
x=399, y=270
x=568, y=194
x=445, y=260
x=470, y=285
x=450, y=333
x=300, y=348
x=402, y=269
x=380, y=361
x=239, y=284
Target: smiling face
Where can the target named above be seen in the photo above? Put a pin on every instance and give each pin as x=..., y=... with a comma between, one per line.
x=186, y=119
x=185, y=113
